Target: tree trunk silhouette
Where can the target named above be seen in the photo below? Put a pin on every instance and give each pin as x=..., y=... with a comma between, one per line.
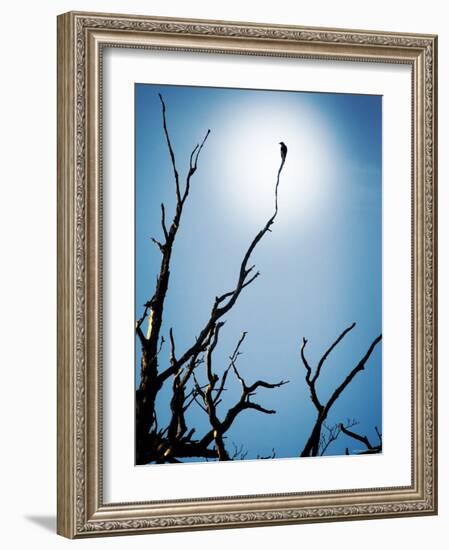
x=176, y=440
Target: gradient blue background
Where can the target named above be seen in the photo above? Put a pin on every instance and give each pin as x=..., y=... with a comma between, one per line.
x=320, y=267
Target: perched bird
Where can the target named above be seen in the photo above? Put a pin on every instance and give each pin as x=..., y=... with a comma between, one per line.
x=283, y=150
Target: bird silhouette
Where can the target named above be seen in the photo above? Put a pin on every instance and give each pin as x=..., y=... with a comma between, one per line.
x=283, y=150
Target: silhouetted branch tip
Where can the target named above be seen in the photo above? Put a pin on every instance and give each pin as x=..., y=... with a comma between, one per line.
x=158, y=244
x=172, y=346
x=164, y=226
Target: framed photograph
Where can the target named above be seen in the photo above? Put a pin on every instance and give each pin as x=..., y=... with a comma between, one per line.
x=246, y=274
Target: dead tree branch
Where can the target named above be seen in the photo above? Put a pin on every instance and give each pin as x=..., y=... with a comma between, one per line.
x=176, y=441
x=331, y=434
x=223, y=303
x=220, y=427
x=370, y=448
x=312, y=445
x=268, y=457
x=239, y=452
x=151, y=380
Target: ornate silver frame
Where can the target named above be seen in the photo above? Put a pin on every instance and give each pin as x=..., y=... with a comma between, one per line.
x=81, y=37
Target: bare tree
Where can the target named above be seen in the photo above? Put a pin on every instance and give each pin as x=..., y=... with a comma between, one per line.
x=176, y=441
x=312, y=446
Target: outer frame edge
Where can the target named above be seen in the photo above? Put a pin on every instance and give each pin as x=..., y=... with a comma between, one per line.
x=65, y=524
x=67, y=505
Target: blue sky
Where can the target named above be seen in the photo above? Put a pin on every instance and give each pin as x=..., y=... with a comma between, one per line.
x=320, y=267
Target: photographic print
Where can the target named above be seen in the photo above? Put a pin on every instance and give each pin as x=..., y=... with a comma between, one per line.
x=258, y=274
x=247, y=283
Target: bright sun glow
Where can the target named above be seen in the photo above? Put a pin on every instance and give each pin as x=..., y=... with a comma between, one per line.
x=252, y=150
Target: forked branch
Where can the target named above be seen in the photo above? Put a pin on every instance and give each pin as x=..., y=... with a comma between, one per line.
x=312, y=446
x=220, y=427
x=176, y=440
x=151, y=380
